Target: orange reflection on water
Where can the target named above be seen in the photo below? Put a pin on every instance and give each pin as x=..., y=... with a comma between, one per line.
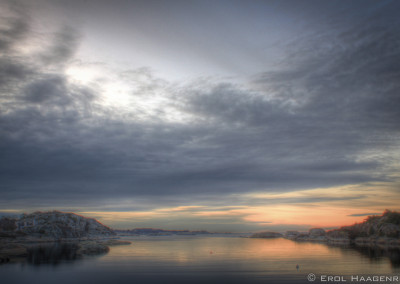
x=268, y=255
x=197, y=248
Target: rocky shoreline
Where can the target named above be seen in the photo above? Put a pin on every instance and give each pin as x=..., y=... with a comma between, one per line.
x=359, y=241
x=19, y=238
x=383, y=242
x=19, y=250
x=381, y=231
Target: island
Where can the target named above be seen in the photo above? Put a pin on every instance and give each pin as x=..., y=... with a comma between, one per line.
x=158, y=232
x=267, y=235
x=375, y=230
x=87, y=236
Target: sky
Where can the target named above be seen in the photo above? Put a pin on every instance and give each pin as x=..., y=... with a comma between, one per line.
x=205, y=115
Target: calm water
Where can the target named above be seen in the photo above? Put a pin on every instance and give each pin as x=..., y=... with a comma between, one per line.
x=201, y=259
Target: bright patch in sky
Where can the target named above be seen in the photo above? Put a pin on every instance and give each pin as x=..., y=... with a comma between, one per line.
x=82, y=74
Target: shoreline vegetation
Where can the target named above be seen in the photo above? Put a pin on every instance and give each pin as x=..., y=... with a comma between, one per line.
x=21, y=237
x=375, y=230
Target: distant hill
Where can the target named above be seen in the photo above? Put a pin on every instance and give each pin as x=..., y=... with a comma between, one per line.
x=158, y=232
x=267, y=235
x=53, y=225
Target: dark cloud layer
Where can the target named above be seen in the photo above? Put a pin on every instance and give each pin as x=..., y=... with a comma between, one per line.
x=365, y=214
x=14, y=30
x=312, y=122
x=63, y=47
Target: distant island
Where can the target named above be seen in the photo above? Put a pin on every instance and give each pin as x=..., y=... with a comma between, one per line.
x=267, y=235
x=158, y=232
x=374, y=230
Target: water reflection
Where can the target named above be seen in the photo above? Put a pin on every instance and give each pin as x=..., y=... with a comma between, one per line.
x=376, y=254
x=230, y=258
x=53, y=254
x=176, y=259
x=263, y=256
x=191, y=250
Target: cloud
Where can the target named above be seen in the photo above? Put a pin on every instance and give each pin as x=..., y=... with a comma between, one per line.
x=12, y=72
x=14, y=26
x=45, y=90
x=63, y=46
x=364, y=214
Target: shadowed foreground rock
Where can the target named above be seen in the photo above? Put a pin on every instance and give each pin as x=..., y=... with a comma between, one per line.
x=54, y=252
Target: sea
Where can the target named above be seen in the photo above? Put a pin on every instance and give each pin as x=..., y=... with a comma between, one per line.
x=225, y=258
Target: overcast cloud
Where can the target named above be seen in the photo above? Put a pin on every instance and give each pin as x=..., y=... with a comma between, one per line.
x=325, y=114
